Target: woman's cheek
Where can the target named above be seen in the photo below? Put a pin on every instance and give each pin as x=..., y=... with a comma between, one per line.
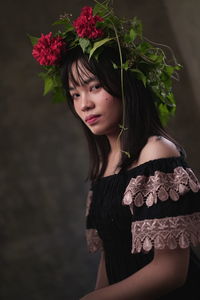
x=76, y=108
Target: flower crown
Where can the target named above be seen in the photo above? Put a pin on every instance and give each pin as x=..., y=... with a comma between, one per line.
x=99, y=27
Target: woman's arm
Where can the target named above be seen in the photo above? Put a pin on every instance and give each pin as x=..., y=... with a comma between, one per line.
x=102, y=279
x=166, y=272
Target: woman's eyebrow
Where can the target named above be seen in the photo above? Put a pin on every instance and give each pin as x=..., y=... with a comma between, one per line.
x=85, y=82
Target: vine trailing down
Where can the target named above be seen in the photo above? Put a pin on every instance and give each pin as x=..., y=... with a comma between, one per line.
x=95, y=29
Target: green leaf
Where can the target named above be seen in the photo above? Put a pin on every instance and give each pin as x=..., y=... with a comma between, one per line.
x=164, y=114
x=48, y=85
x=154, y=57
x=172, y=104
x=127, y=38
x=84, y=43
x=58, y=95
x=143, y=47
x=178, y=67
x=33, y=39
x=99, y=44
x=57, y=80
x=140, y=75
x=68, y=29
x=137, y=25
x=52, y=83
x=64, y=21
x=43, y=75
x=132, y=34
x=169, y=70
x=115, y=66
x=125, y=66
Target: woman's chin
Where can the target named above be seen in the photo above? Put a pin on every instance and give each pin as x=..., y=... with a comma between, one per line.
x=98, y=131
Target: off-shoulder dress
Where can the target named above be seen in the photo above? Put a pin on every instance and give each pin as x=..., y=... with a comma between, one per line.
x=151, y=206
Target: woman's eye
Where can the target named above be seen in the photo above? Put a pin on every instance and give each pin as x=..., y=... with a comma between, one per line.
x=95, y=87
x=74, y=96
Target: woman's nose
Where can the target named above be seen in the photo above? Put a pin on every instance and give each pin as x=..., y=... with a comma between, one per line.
x=86, y=103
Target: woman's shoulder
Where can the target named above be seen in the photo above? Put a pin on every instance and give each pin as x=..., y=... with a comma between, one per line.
x=157, y=147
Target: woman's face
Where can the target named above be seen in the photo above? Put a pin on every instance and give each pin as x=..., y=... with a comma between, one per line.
x=100, y=111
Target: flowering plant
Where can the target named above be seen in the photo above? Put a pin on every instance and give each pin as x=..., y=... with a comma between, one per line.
x=48, y=50
x=96, y=28
x=85, y=25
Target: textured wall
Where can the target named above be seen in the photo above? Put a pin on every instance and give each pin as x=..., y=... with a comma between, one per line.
x=185, y=21
x=43, y=155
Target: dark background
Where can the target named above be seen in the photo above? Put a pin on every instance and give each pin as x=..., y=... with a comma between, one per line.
x=43, y=154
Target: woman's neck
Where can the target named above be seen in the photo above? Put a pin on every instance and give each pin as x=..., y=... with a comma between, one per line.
x=113, y=157
x=114, y=142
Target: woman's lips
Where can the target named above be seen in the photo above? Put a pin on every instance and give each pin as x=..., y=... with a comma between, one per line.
x=92, y=119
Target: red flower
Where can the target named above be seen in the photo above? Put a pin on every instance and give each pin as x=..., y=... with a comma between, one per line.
x=85, y=24
x=48, y=49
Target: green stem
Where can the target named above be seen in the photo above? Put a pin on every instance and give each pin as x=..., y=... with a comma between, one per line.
x=105, y=6
x=122, y=81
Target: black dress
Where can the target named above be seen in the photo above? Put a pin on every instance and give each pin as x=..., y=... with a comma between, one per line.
x=154, y=205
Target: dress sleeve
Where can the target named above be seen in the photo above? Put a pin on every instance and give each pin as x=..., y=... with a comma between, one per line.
x=165, y=206
x=94, y=242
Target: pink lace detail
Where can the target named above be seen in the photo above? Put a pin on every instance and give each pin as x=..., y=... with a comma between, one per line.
x=94, y=242
x=160, y=186
x=88, y=202
x=170, y=232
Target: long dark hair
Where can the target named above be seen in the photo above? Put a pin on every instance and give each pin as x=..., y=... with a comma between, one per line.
x=141, y=116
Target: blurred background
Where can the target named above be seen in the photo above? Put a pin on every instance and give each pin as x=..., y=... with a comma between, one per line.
x=43, y=154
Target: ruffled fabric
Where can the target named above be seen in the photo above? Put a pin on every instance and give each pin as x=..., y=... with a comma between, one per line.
x=170, y=223
x=163, y=231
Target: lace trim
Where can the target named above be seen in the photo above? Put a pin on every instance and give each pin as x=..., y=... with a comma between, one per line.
x=171, y=232
x=94, y=242
x=88, y=202
x=148, y=189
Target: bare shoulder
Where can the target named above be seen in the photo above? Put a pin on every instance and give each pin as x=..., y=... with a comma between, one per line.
x=157, y=147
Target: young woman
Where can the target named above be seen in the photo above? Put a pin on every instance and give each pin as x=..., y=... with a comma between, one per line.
x=155, y=193
x=143, y=209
